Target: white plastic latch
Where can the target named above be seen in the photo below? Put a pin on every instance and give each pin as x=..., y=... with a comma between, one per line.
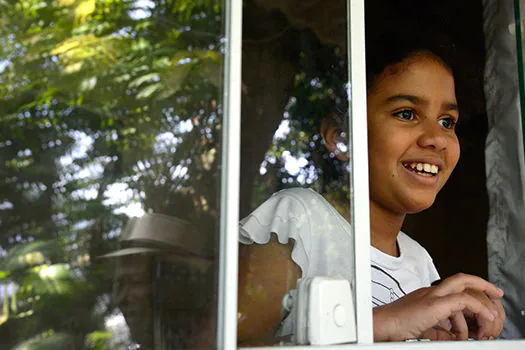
x=324, y=311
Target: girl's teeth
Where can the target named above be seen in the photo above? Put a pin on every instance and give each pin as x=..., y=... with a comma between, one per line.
x=428, y=168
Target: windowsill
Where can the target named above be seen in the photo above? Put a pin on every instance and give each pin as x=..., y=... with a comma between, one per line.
x=454, y=345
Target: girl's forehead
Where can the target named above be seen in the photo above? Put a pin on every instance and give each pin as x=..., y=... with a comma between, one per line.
x=419, y=73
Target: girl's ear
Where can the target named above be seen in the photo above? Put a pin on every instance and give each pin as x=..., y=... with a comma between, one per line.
x=334, y=138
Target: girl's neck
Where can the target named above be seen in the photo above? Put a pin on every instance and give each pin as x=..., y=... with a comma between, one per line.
x=384, y=224
x=384, y=228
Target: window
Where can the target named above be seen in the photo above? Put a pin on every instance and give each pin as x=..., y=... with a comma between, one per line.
x=473, y=122
x=132, y=143
x=295, y=88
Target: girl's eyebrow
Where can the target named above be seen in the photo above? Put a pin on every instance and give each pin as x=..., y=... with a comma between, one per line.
x=447, y=106
x=450, y=106
x=400, y=97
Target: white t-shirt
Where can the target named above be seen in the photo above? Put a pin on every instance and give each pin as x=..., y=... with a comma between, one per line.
x=394, y=277
x=324, y=245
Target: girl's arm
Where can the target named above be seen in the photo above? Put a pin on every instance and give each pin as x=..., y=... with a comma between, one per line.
x=266, y=274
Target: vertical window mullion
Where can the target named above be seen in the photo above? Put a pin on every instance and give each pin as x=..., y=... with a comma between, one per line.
x=359, y=168
x=230, y=174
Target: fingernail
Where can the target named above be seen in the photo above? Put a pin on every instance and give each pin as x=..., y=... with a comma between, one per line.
x=491, y=338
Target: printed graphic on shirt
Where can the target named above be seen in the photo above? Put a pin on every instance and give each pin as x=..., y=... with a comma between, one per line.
x=385, y=288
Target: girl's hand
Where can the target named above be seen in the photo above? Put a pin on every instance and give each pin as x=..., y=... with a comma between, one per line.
x=422, y=312
x=478, y=328
x=463, y=325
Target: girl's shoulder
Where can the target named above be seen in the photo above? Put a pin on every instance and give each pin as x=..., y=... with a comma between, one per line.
x=307, y=218
x=288, y=204
x=289, y=213
x=315, y=203
x=301, y=194
x=411, y=247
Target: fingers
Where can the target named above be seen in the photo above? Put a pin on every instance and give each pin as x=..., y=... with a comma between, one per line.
x=501, y=317
x=438, y=333
x=460, y=282
x=493, y=329
x=448, y=305
x=459, y=326
x=481, y=296
x=482, y=328
x=452, y=307
x=486, y=329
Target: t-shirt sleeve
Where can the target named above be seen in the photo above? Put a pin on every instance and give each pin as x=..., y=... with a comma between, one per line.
x=433, y=274
x=285, y=216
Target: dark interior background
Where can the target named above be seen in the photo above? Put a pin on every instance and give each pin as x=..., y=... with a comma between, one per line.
x=454, y=228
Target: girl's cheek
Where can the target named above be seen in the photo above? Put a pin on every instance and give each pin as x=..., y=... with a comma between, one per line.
x=456, y=152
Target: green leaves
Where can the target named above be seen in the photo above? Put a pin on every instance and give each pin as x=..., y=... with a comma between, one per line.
x=149, y=90
x=25, y=256
x=98, y=340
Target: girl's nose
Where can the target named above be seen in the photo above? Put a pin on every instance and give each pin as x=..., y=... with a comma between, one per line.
x=433, y=136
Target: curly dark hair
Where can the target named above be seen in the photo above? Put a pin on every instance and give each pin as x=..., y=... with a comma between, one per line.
x=381, y=54
x=384, y=53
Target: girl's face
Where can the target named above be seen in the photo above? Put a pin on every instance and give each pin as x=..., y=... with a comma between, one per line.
x=412, y=144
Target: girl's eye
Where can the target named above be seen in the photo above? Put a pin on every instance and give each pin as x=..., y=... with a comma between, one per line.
x=406, y=114
x=447, y=123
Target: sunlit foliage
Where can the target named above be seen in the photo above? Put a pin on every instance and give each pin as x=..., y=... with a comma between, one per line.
x=106, y=108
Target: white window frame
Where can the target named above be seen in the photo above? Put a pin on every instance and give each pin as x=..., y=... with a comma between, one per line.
x=230, y=175
x=230, y=179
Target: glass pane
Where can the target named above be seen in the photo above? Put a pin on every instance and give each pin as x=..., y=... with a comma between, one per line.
x=283, y=147
x=294, y=136
x=111, y=117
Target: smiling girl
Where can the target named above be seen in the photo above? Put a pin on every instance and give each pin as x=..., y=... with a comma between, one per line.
x=413, y=149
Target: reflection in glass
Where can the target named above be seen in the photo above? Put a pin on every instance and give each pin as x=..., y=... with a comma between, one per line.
x=294, y=97
x=110, y=110
x=160, y=282
x=305, y=79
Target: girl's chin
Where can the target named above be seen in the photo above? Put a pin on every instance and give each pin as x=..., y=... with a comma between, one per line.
x=406, y=204
x=418, y=206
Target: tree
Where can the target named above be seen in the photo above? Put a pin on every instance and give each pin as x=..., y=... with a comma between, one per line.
x=100, y=100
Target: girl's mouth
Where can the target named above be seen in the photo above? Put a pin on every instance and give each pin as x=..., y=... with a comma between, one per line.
x=423, y=169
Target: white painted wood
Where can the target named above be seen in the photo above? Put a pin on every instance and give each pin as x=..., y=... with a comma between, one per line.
x=359, y=169
x=230, y=176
